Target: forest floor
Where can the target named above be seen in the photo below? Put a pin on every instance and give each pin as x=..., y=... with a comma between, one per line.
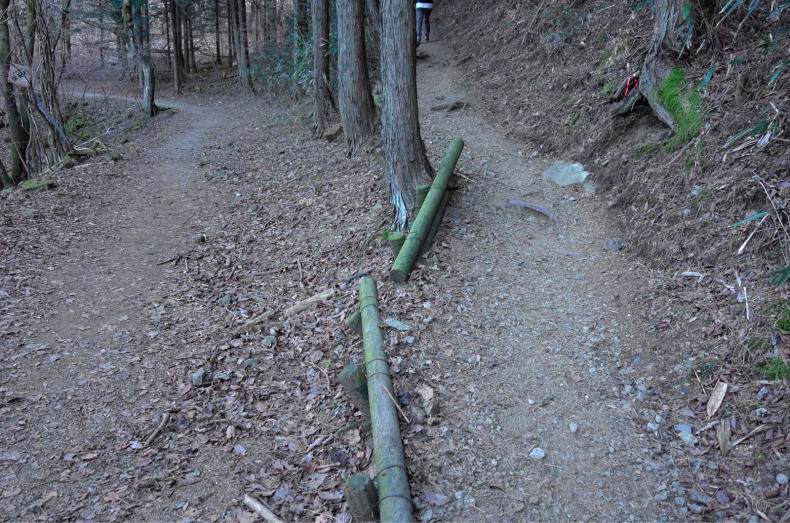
x=527, y=367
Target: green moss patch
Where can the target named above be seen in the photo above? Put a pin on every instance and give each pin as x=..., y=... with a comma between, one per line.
x=683, y=103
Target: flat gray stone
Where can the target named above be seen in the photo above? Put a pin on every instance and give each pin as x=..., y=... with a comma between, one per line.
x=395, y=324
x=537, y=453
x=563, y=173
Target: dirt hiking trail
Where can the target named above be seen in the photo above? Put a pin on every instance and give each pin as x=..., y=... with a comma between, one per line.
x=531, y=333
x=547, y=339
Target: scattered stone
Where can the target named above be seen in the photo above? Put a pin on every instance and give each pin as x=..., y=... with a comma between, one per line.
x=409, y=339
x=574, y=428
x=199, y=377
x=199, y=238
x=700, y=497
x=250, y=362
x=762, y=393
x=722, y=497
x=252, y=208
x=580, y=276
x=537, y=453
x=652, y=427
x=688, y=438
x=682, y=427
x=395, y=324
x=781, y=479
x=269, y=341
x=566, y=173
x=680, y=501
x=663, y=496
x=614, y=244
x=333, y=132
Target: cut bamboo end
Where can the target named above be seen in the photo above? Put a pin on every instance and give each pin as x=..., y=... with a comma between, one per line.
x=352, y=377
x=361, y=497
x=354, y=322
x=395, y=240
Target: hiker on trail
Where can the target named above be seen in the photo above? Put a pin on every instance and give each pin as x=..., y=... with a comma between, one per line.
x=424, y=15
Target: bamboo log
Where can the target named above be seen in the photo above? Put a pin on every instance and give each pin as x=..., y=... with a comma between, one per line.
x=361, y=497
x=437, y=220
x=395, y=240
x=419, y=198
x=352, y=377
x=353, y=322
x=422, y=223
x=393, y=483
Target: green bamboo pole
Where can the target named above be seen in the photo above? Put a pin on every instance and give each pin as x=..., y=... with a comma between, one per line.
x=419, y=196
x=422, y=223
x=395, y=240
x=437, y=220
x=393, y=483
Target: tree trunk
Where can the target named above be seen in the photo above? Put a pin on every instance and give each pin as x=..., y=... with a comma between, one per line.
x=671, y=33
x=191, y=39
x=18, y=135
x=240, y=37
x=178, y=69
x=405, y=161
x=217, y=34
x=231, y=40
x=321, y=94
x=167, y=33
x=374, y=16
x=244, y=31
x=357, y=111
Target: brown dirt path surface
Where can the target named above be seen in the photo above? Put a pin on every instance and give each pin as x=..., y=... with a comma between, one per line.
x=113, y=313
x=543, y=338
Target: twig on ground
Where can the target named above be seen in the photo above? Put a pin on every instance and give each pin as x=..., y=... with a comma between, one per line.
x=359, y=274
x=254, y=322
x=537, y=208
x=261, y=509
x=302, y=305
x=395, y=402
x=157, y=430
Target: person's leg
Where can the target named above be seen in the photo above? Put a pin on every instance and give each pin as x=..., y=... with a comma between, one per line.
x=420, y=13
x=427, y=24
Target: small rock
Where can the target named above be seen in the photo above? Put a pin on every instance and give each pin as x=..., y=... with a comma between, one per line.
x=614, y=244
x=663, y=496
x=199, y=238
x=688, y=438
x=239, y=450
x=682, y=427
x=333, y=132
x=537, y=453
x=722, y=497
x=574, y=428
x=680, y=501
x=395, y=324
x=199, y=377
x=409, y=339
x=580, y=276
x=252, y=208
x=566, y=173
x=696, y=508
x=250, y=362
x=269, y=341
x=700, y=497
x=652, y=427
x=781, y=479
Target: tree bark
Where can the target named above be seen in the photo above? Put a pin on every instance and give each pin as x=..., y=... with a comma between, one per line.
x=357, y=111
x=178, y=59
x=217, y=34
x=321, y=94
x=238, y=7
x=18, y=135
x=405, y=160
x=231, y=41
